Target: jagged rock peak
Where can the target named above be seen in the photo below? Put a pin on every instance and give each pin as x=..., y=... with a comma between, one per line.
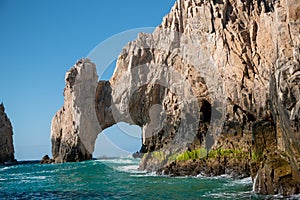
x=75, y=126
x=6, y=138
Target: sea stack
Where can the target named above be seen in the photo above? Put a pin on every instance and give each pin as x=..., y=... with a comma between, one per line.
x=215, y=89
x=75, y=125
x=6, y=138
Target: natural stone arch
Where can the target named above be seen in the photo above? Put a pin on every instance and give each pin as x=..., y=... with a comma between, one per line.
x=253, y=84
x=85, y=113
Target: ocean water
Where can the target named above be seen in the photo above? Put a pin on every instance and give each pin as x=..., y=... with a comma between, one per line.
x=113, y=179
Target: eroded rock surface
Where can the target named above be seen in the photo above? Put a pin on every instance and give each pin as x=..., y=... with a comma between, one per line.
x=6, y=138
x=221, y=75
x=75, y=127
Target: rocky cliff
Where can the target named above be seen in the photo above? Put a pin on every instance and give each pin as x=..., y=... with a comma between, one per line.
x=6, y=138
x=74, y=127
x=215, y=89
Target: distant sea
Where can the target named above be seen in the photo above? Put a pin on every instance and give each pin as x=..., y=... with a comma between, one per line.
x=116, y=178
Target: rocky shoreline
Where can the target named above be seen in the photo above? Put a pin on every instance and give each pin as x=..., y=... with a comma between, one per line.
x=208, y=167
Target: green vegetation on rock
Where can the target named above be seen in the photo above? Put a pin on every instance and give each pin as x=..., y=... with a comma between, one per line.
x=190, y=155
x=158, y=154
x=233, y=153
x=201, y=153
x=256, y=156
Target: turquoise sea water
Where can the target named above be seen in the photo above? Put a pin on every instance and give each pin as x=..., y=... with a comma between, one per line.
x=112, y=179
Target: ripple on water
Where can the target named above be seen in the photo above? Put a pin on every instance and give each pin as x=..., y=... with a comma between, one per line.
x=112, y=179
x=118, y=161
x=4, y=169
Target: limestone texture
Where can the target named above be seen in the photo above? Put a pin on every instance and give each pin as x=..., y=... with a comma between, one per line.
x=6, y=138
x=75, y=125
x=216, y=75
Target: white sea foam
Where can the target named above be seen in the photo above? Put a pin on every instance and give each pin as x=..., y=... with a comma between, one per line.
x=224, y=176
x=145, y=174
x=244, y=181
x=129, y=168
x=47, y=171
x=247, y=180
x=133, y=169
x=4, y=169
x=126, y=164
x=226, y=195
x=295, y=196
x=118, y=161
x=200, y=176
x=37, y=177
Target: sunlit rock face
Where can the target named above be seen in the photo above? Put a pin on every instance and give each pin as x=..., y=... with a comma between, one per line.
x=220, y=75
x=75, y=127
x=6, y=138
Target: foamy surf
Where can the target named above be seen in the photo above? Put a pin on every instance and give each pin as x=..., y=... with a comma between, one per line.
x=4, y=169
x=247, y=180
x=119, y=160
x=145, y=174
x=133, y=169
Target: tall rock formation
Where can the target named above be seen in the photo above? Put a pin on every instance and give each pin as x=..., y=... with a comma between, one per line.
x=6, y=138
x=75, y=125
x=217, y=75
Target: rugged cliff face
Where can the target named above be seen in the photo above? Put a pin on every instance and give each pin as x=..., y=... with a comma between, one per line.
x=6, y=138
x=215, y=88
x=75, y=125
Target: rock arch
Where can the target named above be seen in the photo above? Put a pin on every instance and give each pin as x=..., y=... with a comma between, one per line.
x=161, y=107
x=253, y=73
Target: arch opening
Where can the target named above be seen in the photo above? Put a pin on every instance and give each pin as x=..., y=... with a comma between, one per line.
x=119, y=140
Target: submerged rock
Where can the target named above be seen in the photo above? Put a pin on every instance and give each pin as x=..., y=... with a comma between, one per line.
x=6, y=138
x=217, y=75
x=46, y=160
x=137, y=155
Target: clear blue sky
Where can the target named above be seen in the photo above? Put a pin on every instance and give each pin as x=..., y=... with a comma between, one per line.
x=40, y=41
